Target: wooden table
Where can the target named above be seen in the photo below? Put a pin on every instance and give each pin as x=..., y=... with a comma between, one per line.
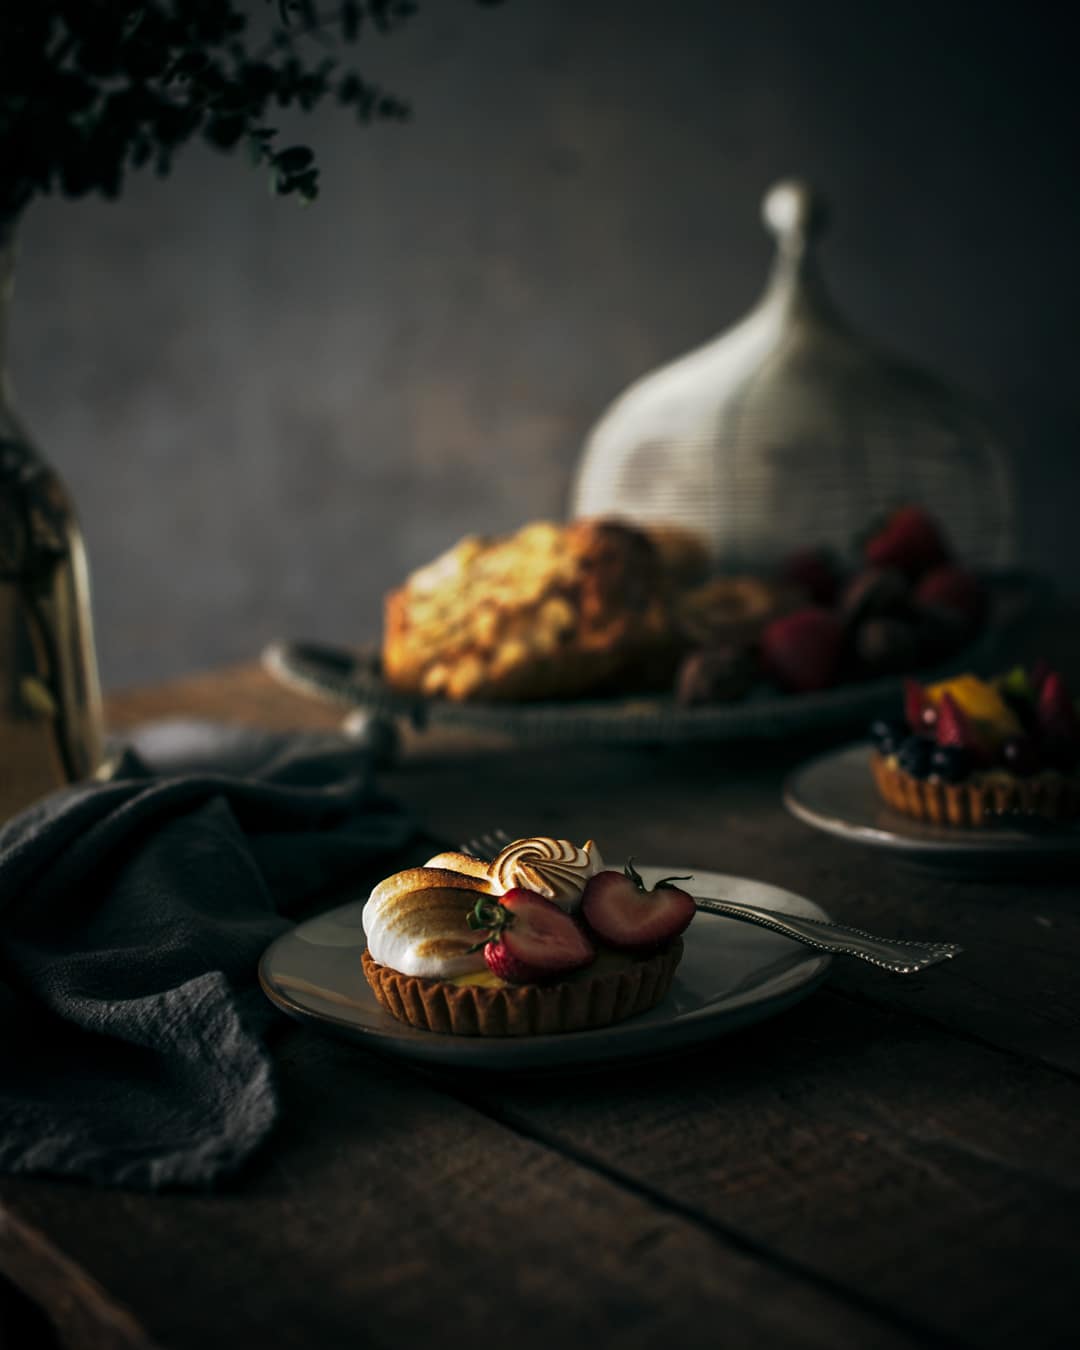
x=893, y=1163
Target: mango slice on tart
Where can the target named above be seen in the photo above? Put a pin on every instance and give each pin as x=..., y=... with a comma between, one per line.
x=982, y=702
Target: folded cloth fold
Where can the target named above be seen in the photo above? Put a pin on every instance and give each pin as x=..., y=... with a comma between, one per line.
x=132, y=916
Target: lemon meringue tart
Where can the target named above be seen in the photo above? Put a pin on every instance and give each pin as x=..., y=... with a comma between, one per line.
x=499, y=948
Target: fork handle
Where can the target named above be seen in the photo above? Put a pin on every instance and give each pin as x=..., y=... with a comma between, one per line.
x=896, y=955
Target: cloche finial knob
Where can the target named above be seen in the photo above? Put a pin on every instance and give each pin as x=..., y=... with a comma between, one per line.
x=794, y=213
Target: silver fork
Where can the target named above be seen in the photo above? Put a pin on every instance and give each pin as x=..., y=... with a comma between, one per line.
x=898, y=955
x=486, y=845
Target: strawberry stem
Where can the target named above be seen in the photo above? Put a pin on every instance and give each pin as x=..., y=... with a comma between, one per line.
x=490, y=916
x=632, y=874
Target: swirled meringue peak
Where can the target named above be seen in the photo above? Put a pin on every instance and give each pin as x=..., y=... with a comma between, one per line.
x=554, y=868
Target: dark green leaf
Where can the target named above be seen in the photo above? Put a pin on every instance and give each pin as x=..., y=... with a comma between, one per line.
x=294, y=159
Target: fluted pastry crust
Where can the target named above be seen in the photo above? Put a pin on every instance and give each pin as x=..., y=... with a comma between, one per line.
x=978, y=801
x=586, y=1000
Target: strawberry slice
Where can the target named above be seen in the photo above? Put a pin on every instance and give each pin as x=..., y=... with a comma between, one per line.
x=919, y=712
x=1054, y=708
x=1059, y=727
x=955, y=729
x=623, y=914
x=953, y=725
x=529, y=939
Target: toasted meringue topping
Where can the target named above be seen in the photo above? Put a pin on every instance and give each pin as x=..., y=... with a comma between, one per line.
x=465, y=863
x=416, y=921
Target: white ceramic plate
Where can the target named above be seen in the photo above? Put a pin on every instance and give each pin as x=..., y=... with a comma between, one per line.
x=836, y=793
x=731, y=974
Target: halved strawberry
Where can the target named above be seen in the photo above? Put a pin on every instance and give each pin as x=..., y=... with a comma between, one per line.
x=1054, y=706
x=623, y=914
x=529, y=939
x=954, y=728
x=1059, y=727
x=919, y=712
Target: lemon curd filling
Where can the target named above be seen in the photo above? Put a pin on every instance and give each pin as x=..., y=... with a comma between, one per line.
x=487, y=979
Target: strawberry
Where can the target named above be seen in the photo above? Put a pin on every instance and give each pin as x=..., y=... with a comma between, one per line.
x=529, y=938
x=1059, y=727
x=953, y=589
x=955, y=729
x=623, y=914
x=1055, y=709
x=910, y=540
x=804, y=650
x=919, y=712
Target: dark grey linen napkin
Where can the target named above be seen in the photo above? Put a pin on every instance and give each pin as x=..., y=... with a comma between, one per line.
x=132, y=917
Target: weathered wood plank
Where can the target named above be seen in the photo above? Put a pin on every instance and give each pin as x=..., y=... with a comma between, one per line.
x=76, y=1307
x=386, y=1213
x=937, y=1177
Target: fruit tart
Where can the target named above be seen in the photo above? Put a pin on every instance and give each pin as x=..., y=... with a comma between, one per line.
x=542, y=939
x=968, y=751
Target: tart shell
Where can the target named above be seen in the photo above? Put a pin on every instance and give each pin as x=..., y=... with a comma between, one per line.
x=979, y=801
x=584, y=1002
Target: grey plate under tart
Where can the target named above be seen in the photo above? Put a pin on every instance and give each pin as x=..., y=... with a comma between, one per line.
x=731, y=974
x=835, y=792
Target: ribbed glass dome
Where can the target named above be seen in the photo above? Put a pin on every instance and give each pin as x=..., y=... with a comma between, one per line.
x=791, y=429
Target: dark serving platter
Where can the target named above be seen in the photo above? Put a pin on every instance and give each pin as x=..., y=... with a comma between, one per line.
x=351, y=677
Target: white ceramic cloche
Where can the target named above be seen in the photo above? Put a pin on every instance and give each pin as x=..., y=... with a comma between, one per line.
x=791, y=429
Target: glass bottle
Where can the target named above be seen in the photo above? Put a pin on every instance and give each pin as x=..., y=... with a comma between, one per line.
x=51, y=724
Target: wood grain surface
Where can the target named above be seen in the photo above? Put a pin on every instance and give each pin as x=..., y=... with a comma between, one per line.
x=894, y=1163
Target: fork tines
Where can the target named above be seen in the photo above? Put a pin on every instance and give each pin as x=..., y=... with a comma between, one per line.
x=486, y=845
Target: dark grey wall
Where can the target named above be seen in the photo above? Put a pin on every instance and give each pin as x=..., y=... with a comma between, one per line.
x=268, y=415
